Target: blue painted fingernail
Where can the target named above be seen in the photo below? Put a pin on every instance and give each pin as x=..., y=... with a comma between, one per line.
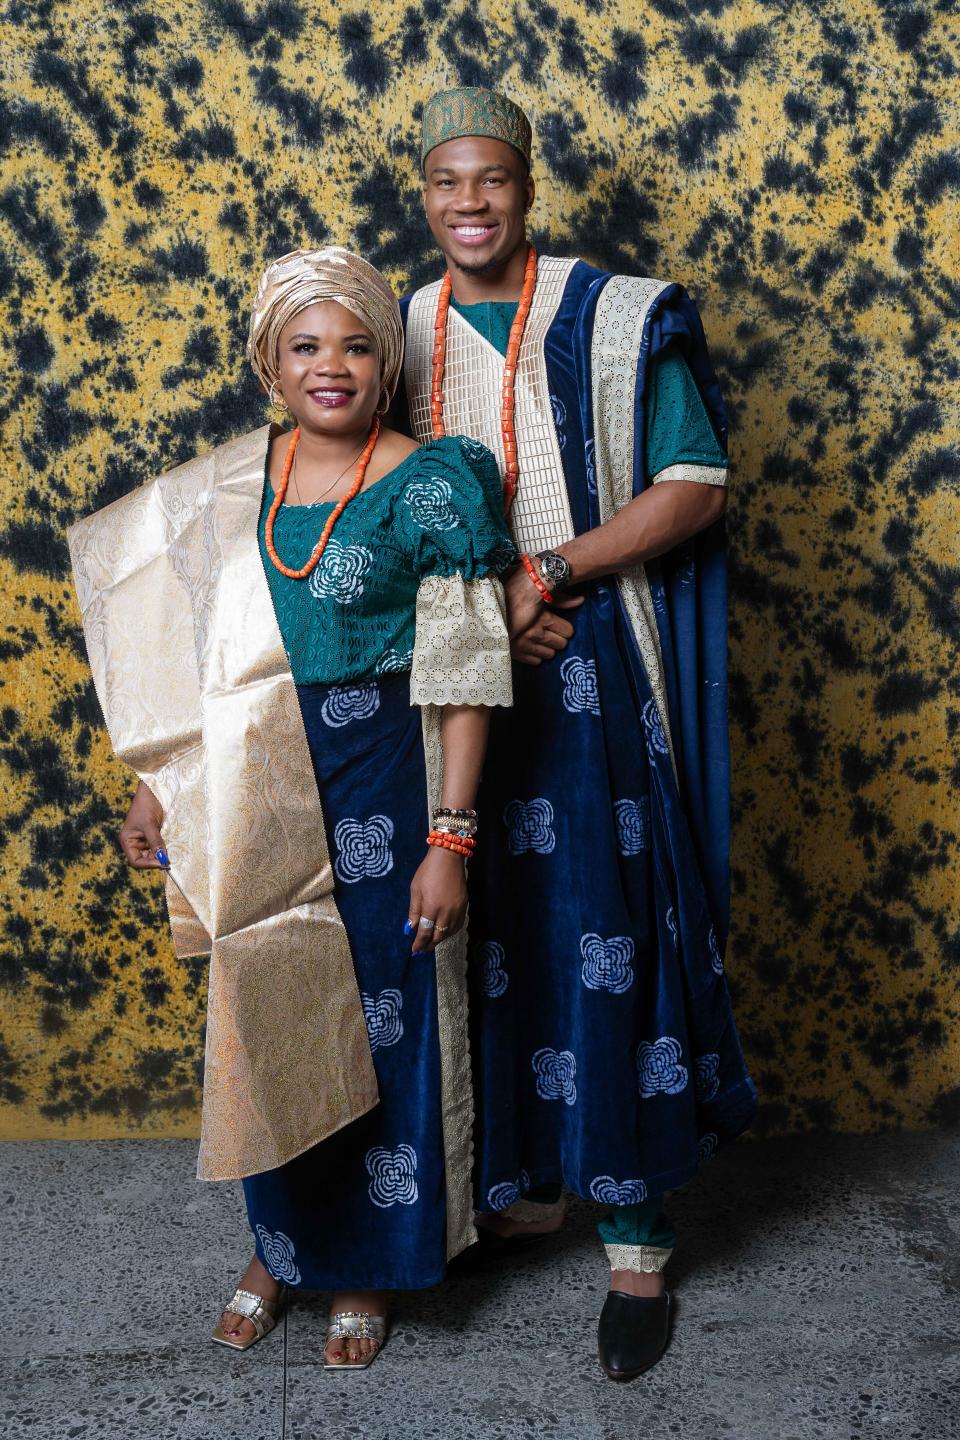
x=163, y=857
x=421, y=954
x=408, y=928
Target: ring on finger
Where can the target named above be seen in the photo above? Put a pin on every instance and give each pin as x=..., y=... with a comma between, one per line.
x=441, y=929
x=427, y=924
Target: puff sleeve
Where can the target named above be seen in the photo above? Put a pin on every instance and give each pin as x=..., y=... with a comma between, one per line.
x=453, y=522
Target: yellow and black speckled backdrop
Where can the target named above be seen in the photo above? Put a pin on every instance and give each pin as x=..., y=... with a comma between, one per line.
x=797, y=165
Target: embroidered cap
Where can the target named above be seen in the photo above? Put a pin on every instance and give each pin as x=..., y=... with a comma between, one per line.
x=471, y=110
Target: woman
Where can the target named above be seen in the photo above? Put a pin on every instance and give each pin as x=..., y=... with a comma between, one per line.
x=304, y=590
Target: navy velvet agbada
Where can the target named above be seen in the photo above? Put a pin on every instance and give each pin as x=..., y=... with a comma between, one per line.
x=604, y=1047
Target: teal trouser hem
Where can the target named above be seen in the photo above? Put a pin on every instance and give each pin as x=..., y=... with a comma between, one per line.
x=643, y=1224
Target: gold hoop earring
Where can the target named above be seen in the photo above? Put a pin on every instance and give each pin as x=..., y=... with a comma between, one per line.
x=384, y=404
x=270, y=395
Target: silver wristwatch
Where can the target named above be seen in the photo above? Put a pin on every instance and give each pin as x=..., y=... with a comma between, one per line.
x=556, y=570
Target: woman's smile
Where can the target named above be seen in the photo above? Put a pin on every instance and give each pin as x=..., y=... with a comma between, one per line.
x=331, y=397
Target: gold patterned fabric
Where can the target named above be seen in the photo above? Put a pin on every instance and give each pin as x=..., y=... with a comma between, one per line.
x=698, y=474
x=306, y=277
x=462, y=651
x=641, y=1259
x=472, y=110
x=198, y=699
x=456, y=1081
x=615, y=352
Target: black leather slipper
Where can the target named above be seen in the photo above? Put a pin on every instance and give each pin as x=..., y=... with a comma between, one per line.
x=632, y=1333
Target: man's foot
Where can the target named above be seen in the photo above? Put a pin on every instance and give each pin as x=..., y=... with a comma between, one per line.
x=509, y=1229
x=259, y=1281
x=342, y=1349
x=638, y=1282
x=634, y=1324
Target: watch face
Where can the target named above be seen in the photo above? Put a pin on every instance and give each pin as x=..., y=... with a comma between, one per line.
x=554, y=566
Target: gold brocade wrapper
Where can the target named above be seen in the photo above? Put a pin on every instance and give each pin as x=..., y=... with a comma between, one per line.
x=210, y=720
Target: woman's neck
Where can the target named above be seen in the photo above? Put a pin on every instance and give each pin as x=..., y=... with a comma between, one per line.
x=326, y=450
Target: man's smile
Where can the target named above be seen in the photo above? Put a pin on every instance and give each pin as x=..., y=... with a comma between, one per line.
x=472, y=233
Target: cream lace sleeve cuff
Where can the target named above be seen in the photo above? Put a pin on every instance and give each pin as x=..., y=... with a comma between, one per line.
x=702, y=474
x=461, y=655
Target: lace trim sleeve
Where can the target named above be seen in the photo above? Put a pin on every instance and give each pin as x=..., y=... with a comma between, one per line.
x=702, y=474
x=461, y=654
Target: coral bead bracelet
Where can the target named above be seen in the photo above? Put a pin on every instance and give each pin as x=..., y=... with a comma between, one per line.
x=531, y=569
x=459, y=844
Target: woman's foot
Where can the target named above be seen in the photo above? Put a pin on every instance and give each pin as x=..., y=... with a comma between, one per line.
x=341, y=1349
x=259, y=1281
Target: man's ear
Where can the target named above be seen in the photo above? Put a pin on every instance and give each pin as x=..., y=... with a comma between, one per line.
x=531, y=194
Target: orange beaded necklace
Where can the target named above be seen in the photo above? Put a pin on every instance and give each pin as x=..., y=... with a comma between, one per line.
x=512, y=473
x=338, y=509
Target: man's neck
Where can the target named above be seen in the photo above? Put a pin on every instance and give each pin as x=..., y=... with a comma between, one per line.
x=505, y=283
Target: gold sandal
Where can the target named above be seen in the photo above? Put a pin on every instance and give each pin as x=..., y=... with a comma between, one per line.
x=355, y=1325
x=262, y=1314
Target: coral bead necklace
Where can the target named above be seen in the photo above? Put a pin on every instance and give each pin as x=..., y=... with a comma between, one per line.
x=341, y=505
x=507, y=429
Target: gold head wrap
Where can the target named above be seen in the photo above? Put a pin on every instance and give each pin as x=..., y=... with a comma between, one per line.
x=303, y=278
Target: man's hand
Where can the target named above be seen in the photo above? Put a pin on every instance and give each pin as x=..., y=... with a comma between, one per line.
x=536, y=631
x=140, y=836
x=541, y=640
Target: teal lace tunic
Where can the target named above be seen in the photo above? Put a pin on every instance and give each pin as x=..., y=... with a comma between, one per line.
x=678, y=429
x=438, y=514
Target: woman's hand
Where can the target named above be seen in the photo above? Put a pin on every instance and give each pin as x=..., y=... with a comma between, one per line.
x=140, y=836
x=438, y=892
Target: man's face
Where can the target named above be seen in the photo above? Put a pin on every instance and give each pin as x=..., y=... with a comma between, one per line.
x=477, y=193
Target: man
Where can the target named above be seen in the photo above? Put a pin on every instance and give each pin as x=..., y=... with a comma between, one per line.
x=604, y=1048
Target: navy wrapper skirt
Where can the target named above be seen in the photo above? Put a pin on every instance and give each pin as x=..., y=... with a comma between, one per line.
x=365, y=1209
x=604, y=1047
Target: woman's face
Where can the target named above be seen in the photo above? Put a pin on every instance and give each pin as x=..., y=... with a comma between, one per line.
x=329, y=370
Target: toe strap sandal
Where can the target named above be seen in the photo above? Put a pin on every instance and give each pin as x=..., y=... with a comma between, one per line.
x=355, y=1325
x=262, y=1314
x=633, y=1333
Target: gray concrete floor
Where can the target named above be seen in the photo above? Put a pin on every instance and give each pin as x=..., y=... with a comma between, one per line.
x=816, y=1288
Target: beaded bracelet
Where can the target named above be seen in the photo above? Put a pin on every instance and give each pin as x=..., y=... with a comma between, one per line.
x=455, y=827
x=464, y=847
x=531, y=570
x=456, y=822
x=468, y=840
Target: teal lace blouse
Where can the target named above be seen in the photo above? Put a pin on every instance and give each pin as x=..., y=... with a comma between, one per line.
x=678, y=429
x=439, y=513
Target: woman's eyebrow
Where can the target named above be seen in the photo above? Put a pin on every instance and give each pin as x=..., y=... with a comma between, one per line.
x=305, y=335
